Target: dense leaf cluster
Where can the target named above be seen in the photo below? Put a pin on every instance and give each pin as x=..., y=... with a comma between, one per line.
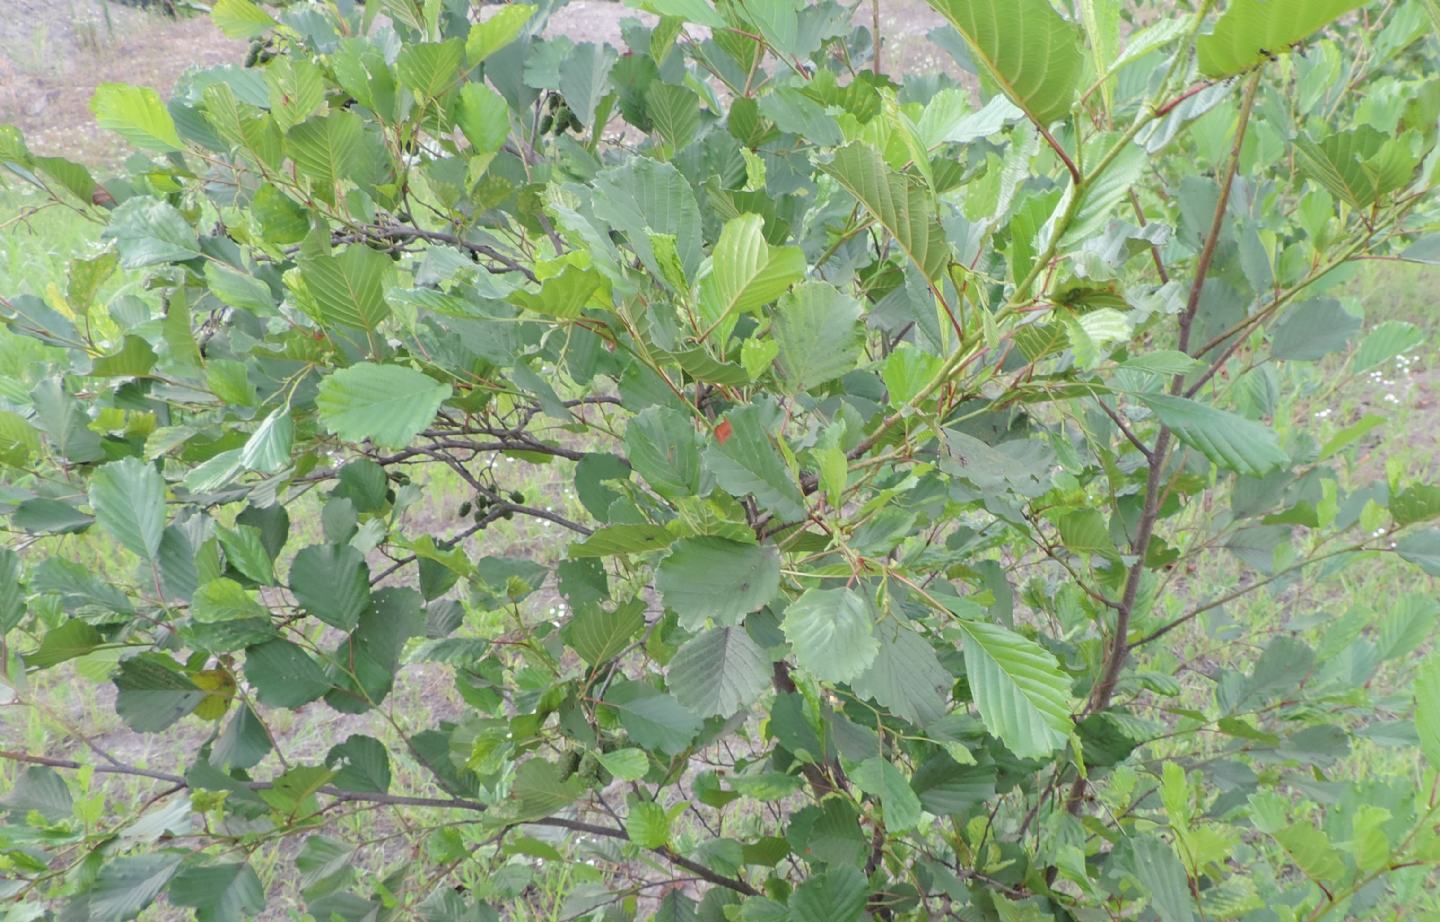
x=892, y=419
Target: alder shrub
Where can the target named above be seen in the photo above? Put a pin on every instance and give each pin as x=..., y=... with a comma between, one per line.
x=924, y=436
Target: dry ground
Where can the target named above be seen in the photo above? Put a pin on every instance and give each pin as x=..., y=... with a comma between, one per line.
x=53, y=53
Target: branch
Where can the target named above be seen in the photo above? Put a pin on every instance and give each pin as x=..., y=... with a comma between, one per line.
x=396, y=232
x=401, y=800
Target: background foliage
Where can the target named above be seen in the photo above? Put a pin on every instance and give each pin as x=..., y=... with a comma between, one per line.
x=933, y=482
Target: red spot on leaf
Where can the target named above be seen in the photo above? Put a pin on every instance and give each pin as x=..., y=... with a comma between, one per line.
x=723, y=431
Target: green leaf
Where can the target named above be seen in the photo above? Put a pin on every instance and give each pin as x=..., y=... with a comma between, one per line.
x=1427, y=709
x=675, y=113
x=1229, y=441
x=662, y=446
x=746, y=273
x=284, y=675
x=645, y=199
x=1312, y=852
x=386, y=404
x=154, y=693
x=41, y=789
x=696, y=11
x=1166, y=884
x=819, y=335
x=246, y=553
x=243, y=291
x=333, y=148
x=1387, y=341
x=268, y=448
x=149, y=231
x=221, y=600
x=748, y=463
x=837, y=895
x=349, y=289
x=12, y=595
x=495, y=32
x=716, y=579
x=296, y=88
x=585, y=79
x=241, y=19
x=1416, y=503
x=1027, y=48
x=648, y=824
x=361, y=763
x=219, y=892
x=125, y=886
x=1313, y=330
x=625, y=764
x=538, y=790
x=483, y=117
x=19, y=441
x=902, y=204
x=562, y=296
x=133, y=359
x=905, y=675
x=599, y=635
x=129, y=501
x=718, y=672
x=69, y=640
x=1249, y=32
x=331, y=582
x=1360, y=166
x=831, y=632
x=653, y=719
x=1023, y=697
x=430, y=68
x=614, y=540
x=881, y=779
x=1422, y=548
x=137, y=114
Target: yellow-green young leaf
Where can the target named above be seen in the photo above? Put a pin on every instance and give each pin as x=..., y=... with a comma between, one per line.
x=1026, y=47
x=1427, y=710
x=268, y=448
x=386, y=404
x=648, y=825
x=19, y=442
x=1249, y=32
x=137, y=114
x=562, y=296
x=497, y=31
x=696, y=11
x=241, y=18
x=1023, y=697
x=629, y=764
x=430, y=68
x=1101, y=19
x=745, y=273
x=483, y=117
